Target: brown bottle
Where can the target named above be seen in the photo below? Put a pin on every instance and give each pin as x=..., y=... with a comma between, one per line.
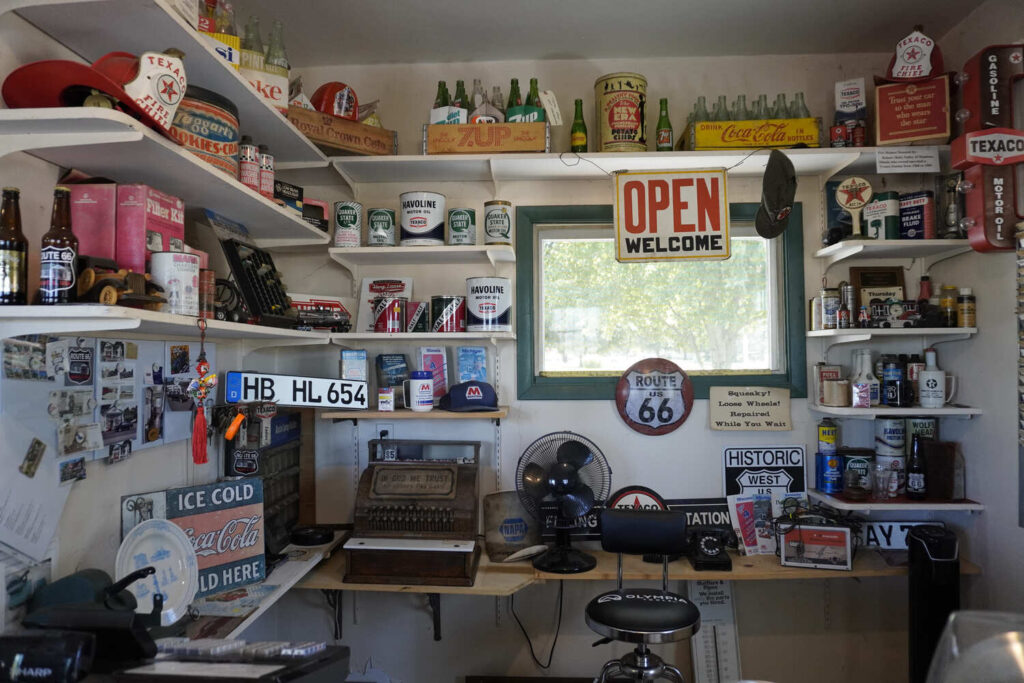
x=13, y=252
x=58, y=255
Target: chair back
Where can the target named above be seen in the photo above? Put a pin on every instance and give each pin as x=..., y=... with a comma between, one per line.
x=643, y=532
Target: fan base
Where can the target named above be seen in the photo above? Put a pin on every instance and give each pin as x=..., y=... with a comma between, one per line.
x=561, y=560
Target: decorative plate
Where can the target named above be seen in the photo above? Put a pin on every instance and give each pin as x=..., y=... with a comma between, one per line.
x=163, y=545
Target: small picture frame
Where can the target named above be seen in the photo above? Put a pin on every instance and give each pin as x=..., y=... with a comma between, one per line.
x=874, y=282
x=817, y=547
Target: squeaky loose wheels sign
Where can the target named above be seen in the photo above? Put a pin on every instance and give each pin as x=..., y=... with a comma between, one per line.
x=654, y=396
x=671, y=215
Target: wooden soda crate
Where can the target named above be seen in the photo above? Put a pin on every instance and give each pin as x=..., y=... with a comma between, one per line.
x=337, y=136
x=486, y=138
x=753, y=134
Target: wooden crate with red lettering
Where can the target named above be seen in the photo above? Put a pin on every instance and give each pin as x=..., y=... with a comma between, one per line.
x=342, y=137
x=485, y=138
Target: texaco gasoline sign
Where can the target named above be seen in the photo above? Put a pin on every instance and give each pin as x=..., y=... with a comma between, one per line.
x=654, y=396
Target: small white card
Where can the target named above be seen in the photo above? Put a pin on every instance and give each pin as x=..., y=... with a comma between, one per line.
x=907, y=160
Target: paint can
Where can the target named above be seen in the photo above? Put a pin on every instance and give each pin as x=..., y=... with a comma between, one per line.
x=621, y=103
x=497, y=222
x=890, y=436
x=829, y=472
x=447, y=313
x=828, y=432
x=898, y=464
x=389, y=314
x=380, y=225
x=348, y=224
x=922, y=427
x=882, y=216
x=417, y=316
x=178, y=274
x=861, y=462
x=489, y=304
x=206, y=124
x=461, y=226
x=422, y=220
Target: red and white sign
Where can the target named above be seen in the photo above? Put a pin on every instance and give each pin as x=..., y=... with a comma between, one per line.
x=671, y=215
x=991, y=146
x=916, y=57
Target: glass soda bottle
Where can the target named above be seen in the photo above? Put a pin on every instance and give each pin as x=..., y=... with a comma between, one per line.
x=441, y=98
x=498, y=99
x=252, y=40
x=13, y=251
x=578, y=133
x=663, y=137
x=58, y=255
x=479, y=97
x=460, y=99
x=276, y=56
x=515, y=98
x=533, y=97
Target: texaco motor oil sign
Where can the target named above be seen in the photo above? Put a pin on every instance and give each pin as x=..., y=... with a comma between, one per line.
x=671, y=215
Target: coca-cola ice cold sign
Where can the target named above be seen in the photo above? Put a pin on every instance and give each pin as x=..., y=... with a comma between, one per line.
x=671, y=215
x=224, y=522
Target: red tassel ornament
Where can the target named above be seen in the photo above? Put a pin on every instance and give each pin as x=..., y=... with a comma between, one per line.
x=198, y=390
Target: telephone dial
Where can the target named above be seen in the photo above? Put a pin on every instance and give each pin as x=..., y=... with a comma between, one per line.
x=707, y=548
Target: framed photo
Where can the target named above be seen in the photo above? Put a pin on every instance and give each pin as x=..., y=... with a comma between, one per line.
x=876, y=283
x=817, y=547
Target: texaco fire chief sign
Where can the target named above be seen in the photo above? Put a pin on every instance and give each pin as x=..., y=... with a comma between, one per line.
x=654, y=396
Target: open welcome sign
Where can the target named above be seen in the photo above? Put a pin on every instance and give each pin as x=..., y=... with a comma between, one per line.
x=670, y=215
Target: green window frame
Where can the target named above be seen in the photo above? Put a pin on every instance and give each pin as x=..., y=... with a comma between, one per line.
x=533, y=387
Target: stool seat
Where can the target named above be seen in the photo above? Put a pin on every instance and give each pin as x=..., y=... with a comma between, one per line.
x=643, y=615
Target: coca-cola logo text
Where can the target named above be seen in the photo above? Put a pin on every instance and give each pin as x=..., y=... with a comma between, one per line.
x=236, y=534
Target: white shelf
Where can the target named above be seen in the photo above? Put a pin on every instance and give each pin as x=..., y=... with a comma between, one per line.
x=859, y=335
x=352, y=258
x=570, y=166
x=342, y=339
x=94, y=320
x=863, y=250
x=108, y=143
x=94, y=28
x=900, y=504
x=885, y=411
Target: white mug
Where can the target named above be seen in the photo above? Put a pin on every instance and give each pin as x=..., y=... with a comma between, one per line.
x=935, y=388
x=419, y=391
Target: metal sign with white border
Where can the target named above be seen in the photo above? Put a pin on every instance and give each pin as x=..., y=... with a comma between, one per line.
x=292, y=390
x=763, y=469
x=671, y=215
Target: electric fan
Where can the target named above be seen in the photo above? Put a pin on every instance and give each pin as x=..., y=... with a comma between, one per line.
x=568, y=471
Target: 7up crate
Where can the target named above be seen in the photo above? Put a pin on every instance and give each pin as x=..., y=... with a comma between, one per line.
x=486, y=138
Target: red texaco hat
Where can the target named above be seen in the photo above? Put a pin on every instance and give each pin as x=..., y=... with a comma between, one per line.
x=148, y=87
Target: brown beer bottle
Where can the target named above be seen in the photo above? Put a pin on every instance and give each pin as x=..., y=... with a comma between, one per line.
x=58, y=255
x=13, y=252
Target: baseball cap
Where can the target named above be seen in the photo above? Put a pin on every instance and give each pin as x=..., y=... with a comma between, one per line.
x=148, y=87
x=778, y=188
x=469, y=397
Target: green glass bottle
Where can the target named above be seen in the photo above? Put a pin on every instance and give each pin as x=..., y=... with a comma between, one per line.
x=578, y=133
x=461, y=99
x=533, y=98
x=515, y=99
x=664, y=135
x=441, y=98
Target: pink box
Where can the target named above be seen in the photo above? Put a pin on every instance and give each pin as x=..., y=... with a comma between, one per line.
x=204, y=258
x=147, y=220
x=94, y=217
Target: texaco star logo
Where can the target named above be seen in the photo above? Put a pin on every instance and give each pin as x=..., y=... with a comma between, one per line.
x=167, y=89
x=912, y=54
x=853, y=193
x=1015, y=58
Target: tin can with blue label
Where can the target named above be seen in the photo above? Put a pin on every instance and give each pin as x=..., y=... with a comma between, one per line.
x=917, y=215
x=829, y=472
x=422, y=219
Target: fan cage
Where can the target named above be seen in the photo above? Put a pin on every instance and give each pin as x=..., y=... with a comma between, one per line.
x=596, y=474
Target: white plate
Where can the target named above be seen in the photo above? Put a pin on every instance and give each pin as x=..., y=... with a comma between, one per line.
x=163, y=545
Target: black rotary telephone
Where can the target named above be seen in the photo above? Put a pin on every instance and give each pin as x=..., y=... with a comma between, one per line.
x=706, y=548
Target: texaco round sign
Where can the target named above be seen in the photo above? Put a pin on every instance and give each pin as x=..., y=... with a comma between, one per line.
x=654, y=396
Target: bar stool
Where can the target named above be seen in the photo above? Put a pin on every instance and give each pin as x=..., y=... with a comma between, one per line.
x=644, y=616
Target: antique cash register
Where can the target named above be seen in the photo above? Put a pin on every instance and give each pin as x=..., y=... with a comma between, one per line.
x=416, y=517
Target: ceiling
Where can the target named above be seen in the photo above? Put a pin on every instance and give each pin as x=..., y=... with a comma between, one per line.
x=325, y=32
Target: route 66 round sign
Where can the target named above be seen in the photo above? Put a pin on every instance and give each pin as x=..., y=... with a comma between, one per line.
x=654, y=396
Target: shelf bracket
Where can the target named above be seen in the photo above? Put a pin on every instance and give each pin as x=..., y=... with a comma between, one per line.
x=928, y=263
x=250, y=345
x=494, y=186
x=434, y=603
x=946, y=340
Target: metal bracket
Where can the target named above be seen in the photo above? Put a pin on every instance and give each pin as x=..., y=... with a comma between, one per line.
x=250, y=345
x=434, y=603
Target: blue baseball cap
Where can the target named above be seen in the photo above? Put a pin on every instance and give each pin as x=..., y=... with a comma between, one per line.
x=469, y=397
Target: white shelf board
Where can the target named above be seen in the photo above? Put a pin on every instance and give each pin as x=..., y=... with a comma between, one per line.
x=572, y=166
x=890, y=249
x=353, y=258
x=885, y=411
x=866, y=334
x=343, y=338
x=94, y=320
x=94, y=28
x=901, y=504
x=108, y=143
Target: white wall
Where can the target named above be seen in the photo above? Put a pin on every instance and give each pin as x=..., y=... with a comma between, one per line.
x=843, y=629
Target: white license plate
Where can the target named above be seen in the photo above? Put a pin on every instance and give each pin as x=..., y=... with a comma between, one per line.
x=291, y=390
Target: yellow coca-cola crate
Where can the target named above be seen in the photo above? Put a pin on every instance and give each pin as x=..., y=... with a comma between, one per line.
x=485, y=138
x=337, y=136
x=753, y=134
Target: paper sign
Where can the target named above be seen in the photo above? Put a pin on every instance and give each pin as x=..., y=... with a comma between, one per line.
x=716, y=647
x=671, y=215
x=763, y=469
x=749, y=409
x=907, y=160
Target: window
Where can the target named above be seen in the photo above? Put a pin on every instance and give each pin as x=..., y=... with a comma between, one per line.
x=583, y=318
